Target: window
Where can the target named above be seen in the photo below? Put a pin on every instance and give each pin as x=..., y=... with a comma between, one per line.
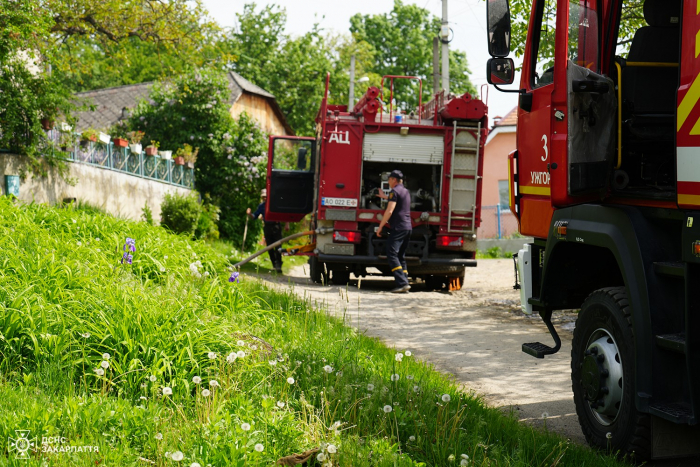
x=503, y=195
x=544, y=55
x=631, y=19
x=292, y=154
x=583, y=34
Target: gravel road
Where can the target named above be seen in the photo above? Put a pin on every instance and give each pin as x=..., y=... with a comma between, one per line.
x=474, y=334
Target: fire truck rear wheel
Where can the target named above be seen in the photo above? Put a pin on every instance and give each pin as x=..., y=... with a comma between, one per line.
x=317, y=272
x=602, y=376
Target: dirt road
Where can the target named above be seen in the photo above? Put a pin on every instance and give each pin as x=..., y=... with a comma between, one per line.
x=474, y=334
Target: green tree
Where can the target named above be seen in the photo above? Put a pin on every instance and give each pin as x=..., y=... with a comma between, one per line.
x=403, y=43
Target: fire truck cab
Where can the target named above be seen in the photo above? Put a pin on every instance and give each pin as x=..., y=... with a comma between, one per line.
x=606, y=178
x=334, y=178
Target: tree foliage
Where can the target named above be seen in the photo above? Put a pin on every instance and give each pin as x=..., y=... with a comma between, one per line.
x=193, y=108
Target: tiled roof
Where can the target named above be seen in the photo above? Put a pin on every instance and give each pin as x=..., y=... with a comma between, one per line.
x=511, y=119
x=109, y=102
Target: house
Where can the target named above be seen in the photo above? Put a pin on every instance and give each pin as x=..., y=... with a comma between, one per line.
x=245, y=97
x=496, y=217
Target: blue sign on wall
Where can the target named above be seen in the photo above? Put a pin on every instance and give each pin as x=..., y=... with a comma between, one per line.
x=12, y=185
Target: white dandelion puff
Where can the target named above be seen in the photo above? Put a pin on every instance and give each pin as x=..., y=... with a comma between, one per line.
x=272, y=362
x=280, y=404
x=398, y=357
x=321, y=457
x=328, y=369
x=104, y=364
x=240, y=354
x=387, y=408
x=245, y=426
x=211, y=355
x=446, y=398
x=370, y=387
x=259, y=447
x=158, y=436
x=214, y=383
x=290, y=380
x=240, y=343
x=332, y=449
x=177, y=456
x=395, y=377
x=106, y=356
x=409, y=377
x=167, y=391
x=206, y=392
x=230, y=358
x=411, y=438
x=407, y=353
x=152, y=378
x=100, y=372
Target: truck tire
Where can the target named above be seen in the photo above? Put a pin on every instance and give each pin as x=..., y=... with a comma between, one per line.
x=316, y=272
x=340, y=277
x=603, y=376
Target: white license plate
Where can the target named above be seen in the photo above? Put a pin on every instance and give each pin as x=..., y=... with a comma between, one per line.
x=349, y=202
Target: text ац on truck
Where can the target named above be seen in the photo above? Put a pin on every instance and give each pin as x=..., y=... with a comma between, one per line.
x=334, y=180
x=606, y=178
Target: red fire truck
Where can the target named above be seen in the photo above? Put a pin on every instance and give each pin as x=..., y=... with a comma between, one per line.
x=606, y=178
x=336, y=176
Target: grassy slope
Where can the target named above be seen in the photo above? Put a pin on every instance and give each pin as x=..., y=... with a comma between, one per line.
x=65, y=300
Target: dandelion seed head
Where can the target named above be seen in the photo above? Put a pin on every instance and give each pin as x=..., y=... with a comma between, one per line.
x=409, y=377
x=321, y=457
x=370, y=387
x=395, y=377
x=254, y=347
x=451, y=458
x=407, y=353
x=545, y=415
x=416, y=388
x=214, y=383
x=272, y=362
x=465, y=457
x=167, y=391
x=245, y=426
x=280, y=404
x=177, y=456
x=463, y=462
x=608, y=435
x=195, y=464
x=387, y=409
x=240, y=354
x=259, y=447
x=211, y=355
x=152, y=378
x=85, y=335
x=104, y=364
x=231, y=357
x=206, y=392
x=446, y=398
x=290, y=380
x=158, y=436
x=106, y=356
x=398, y=357
x=240, y=343
x=100, y=372
x=332, y=449
x=328, y=369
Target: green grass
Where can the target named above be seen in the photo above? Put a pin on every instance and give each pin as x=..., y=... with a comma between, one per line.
x=304, y=379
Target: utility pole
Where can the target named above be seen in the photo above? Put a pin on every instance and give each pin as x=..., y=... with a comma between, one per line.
x=436, y=65
x=444, y=35
x=351, y=94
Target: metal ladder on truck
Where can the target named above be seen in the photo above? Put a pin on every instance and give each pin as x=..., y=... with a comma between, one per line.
x=464, y=177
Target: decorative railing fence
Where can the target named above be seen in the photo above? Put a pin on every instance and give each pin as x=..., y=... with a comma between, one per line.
x=111, y=157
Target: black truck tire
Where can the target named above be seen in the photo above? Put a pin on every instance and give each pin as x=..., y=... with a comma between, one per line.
x=602, y=376
x=316, y=272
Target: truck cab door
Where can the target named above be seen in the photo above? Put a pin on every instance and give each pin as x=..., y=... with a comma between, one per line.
x=591, y=105
x=290, y=178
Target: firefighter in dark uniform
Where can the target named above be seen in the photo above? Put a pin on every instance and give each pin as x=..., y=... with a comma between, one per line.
x=271, y=230
x=398, y=215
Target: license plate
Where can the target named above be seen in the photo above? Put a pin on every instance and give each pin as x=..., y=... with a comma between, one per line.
x=349, y=202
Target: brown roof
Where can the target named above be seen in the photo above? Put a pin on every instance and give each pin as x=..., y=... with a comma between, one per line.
x=109, y=102
x=511, y=119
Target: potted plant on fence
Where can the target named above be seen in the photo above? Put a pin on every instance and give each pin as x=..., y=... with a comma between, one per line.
x=66, y=141
x=166, y=155
x=152, y=149
x=89, y=134
x=119, y=134
x=191, y=158
x=180, y=154
x=135, y=138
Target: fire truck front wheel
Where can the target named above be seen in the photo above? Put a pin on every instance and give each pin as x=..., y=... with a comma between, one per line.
x=602, y=374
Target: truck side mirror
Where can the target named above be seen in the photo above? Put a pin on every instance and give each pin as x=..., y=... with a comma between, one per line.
x=498, y=21
x=301, y=159
x=500, y=71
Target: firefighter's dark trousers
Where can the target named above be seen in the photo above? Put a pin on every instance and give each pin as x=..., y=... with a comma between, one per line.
x=273, y=232
x=396, y=245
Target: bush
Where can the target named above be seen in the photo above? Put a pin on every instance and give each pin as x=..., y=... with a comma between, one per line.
x=207, y=227
x=181, y=213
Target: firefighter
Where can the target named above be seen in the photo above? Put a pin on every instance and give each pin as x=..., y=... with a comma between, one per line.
x=271, y=230
x=398, y=209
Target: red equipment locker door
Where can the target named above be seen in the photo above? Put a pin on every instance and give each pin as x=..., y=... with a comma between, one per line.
x=290, y=178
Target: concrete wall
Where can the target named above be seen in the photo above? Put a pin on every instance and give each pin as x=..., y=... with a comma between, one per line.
x=117, y=193
x=260, y=109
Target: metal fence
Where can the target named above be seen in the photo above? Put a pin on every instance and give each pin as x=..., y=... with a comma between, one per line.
x=497, y=222
x=120, y=159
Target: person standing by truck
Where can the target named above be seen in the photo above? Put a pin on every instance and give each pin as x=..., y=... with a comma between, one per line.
x=398, y=209
x=272, y=232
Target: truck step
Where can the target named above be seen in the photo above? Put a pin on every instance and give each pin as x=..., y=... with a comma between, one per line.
x=538, y=349
x=669, y=268
x=672, y=411
x=674, y=342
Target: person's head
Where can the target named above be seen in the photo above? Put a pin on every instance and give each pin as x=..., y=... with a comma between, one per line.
x=263, y=194
x=395, y=177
